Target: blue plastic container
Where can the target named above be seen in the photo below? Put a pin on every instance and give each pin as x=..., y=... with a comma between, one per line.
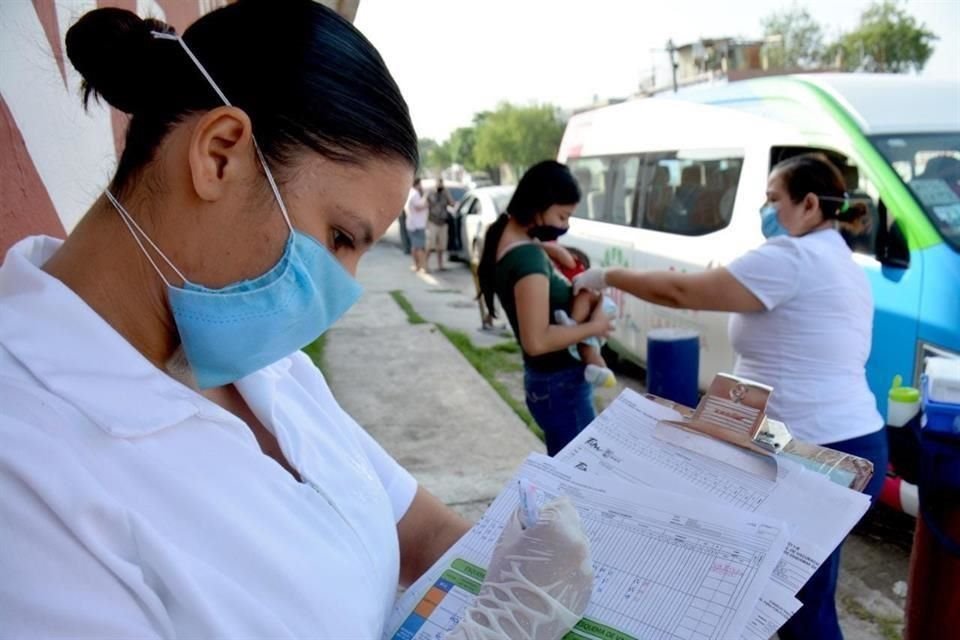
x=673, y=364
x=942, y=417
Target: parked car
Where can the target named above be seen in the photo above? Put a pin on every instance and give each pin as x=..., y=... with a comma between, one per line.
x=478, y=179
x=457, y=189
x=477, y=211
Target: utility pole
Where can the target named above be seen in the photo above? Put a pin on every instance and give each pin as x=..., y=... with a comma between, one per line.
x=671, y=49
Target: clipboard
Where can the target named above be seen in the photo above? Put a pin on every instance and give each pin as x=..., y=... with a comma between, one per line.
x=734, y=410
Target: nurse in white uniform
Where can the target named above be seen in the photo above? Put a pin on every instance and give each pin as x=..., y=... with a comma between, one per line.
x=802, y=323
x=171, y=464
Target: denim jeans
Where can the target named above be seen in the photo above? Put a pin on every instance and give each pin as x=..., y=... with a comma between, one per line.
x=817, y=618
x=561, y=402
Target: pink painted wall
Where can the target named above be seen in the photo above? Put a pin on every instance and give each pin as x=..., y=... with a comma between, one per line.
x=54, y=157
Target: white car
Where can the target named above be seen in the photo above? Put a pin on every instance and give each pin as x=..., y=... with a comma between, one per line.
x=476, y=212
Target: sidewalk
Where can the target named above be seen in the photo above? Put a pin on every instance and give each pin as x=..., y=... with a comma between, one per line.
x=415, y=393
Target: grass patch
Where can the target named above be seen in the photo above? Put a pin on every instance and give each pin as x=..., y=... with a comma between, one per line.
x=506, y=347
x=315, y=351
x=489, y=362
x=889, y=627
x=412, y=316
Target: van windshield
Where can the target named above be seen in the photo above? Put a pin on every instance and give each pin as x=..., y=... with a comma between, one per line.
x=929, y=165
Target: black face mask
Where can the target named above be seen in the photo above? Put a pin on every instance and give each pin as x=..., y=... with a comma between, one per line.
x=546, y=232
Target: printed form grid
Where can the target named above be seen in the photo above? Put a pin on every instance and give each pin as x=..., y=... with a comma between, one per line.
x=676, y=578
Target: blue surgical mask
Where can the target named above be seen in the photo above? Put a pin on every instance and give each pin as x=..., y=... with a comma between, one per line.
x=233, y=331
x=770, y=224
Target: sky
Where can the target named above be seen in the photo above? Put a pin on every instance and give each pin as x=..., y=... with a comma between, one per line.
x=454, y=58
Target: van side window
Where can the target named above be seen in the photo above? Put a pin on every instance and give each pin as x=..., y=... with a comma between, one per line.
x=622, y=204
x=591, y=175
x=607, y=186
x=689, y=193
x=861, y=236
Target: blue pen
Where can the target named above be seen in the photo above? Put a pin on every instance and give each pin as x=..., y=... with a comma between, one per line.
x=529, y=511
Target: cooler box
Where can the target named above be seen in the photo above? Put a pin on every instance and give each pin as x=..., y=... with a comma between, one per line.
x=673, y=364
x=942, y=417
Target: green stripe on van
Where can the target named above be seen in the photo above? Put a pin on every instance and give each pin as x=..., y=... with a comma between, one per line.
x=920, y=233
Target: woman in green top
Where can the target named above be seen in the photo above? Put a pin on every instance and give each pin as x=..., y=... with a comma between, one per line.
x=515, y=267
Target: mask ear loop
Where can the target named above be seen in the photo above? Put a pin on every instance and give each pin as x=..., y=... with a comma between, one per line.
x=131, y=225
x=160, y=35
x=844, y=201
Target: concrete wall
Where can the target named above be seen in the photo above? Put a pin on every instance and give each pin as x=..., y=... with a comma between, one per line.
x=55, y=158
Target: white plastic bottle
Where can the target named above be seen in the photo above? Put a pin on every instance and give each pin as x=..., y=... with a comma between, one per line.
x=903, y=403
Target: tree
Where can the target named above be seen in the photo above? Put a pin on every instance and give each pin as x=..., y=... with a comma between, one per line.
x=426, y=147
x=887, y=39
x=801, y=39
x=433, y=155
x=518, y=136
x=460, y=146
x=439, y=158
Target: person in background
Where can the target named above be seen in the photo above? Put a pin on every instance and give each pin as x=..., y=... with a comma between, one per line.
x=439, y=203
x=416, y=223
x=173, y=466
x=516, y=269
x=802, y=323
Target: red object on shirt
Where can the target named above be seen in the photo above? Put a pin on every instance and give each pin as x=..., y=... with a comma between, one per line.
x=570, y=272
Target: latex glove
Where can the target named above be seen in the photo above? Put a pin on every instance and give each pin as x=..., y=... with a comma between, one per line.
x=539, y=580
x=594, y=278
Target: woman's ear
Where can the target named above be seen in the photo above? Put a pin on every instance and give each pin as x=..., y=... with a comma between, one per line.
x=221, y=153
x=811, y=204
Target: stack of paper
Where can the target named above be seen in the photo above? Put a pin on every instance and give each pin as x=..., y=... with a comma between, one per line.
x=690, y=537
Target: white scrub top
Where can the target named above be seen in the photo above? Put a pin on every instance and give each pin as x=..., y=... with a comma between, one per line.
x=812, y=342
x=132, y=507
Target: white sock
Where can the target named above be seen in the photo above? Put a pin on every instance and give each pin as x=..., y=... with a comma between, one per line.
x=599, y=376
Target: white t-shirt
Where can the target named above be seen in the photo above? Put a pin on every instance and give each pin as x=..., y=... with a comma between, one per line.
x=811, y=344
x=417, y=208
x=132, y=507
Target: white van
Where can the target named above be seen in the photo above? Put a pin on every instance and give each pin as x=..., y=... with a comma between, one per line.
x=676, y=182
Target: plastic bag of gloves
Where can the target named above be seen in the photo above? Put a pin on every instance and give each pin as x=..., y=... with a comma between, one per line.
x=538, y=583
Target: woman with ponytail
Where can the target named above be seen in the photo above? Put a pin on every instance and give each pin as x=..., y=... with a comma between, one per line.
x=516, y=269
x=802, y=323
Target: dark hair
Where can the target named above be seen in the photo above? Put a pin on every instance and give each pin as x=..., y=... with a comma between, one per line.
x=814, y=173
x=579, y=256
x=543, y=185
x=305, y=76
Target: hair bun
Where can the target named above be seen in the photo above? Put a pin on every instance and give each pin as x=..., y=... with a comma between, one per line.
x=114, y=51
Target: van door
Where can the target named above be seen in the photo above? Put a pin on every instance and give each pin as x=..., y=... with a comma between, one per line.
x=603, y=227
x=684, y=216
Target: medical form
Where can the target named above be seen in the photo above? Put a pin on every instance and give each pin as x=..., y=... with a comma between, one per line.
x=623, y=443
x=666, y=565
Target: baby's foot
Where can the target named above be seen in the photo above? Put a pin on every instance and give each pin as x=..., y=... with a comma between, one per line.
x=599, y=376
